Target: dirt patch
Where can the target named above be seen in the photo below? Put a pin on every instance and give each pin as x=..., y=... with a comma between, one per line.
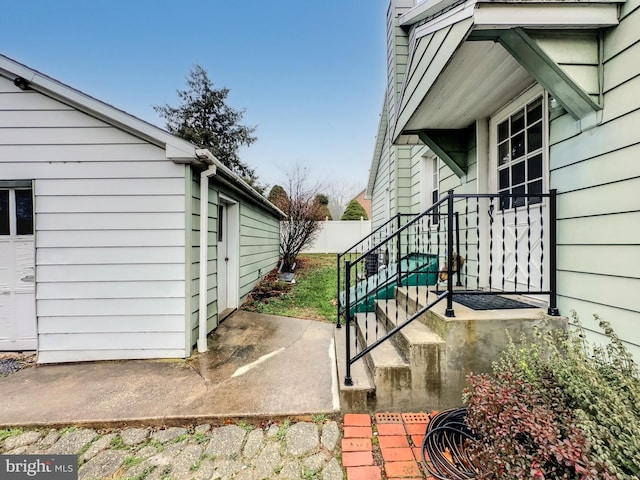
x=12, y=362
x=269, y=287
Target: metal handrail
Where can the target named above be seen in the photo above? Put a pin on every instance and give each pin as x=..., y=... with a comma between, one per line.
x=451, y=237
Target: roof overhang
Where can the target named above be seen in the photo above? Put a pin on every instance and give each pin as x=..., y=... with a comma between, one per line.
x=177, y=149
x=469, y=58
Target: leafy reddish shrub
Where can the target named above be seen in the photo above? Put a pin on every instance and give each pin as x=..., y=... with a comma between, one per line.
x=526, y=432
x=557, y=407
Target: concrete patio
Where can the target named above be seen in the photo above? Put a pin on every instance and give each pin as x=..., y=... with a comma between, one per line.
x=257, y=366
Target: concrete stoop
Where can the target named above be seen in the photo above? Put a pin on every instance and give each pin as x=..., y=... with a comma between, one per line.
x=425, y=364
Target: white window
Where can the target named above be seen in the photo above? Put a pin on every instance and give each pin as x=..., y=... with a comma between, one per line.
x=16, y=211
x=430, y=184
x=435, y=188
x=520, y=145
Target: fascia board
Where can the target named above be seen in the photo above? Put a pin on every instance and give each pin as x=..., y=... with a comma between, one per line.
x=431, y=8
x=425, y=10
x=545, y=15
x=455, y=15
x=238, y=184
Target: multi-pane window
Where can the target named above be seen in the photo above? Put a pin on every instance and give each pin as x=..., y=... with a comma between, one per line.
x=16, y=212
x=520, y=154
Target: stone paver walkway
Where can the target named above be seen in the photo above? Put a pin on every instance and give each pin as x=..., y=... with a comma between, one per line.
x=300, y=450
x=385, y=446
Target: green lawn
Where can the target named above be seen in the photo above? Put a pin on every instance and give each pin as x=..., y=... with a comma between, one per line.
x=313, y=296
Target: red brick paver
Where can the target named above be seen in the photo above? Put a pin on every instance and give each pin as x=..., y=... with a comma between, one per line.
x=356, y=445
x=364, y=473
x=387, y=417
x=357, y=420
x=399, y=437
x=407, y=478
x=420, y=417
x=393, y=441
x=397, y=454
x=402, y=469
x=358, y=432
x=391, y=429
x=357, y=459
x=416, y=428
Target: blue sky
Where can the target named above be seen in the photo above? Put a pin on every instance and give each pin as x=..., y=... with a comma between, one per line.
x=310, y=74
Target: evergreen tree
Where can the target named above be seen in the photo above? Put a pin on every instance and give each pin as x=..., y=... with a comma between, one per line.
x=278, y=196
x=354, y=211
x=322, y=202
x=203, y=118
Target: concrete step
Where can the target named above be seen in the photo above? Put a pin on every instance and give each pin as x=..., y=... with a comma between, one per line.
x=419, y=345
x=360, y=396
x=390, y=371
x=414, y=335
x=412, y=299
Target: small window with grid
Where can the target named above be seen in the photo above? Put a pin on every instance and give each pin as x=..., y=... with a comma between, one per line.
x=520, y=155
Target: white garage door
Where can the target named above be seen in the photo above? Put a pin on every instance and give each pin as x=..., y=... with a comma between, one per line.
x=17, y=269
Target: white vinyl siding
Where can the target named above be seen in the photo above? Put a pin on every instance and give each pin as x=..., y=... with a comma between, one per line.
x=598, y=178
x=110, y=222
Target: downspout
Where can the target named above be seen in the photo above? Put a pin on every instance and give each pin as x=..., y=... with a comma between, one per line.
x=207, y=156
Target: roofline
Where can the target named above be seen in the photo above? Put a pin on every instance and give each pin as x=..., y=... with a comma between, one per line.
x=432, y=8
x=379, y=146
x=177, y=149
x=426, y=9
x=242, y=186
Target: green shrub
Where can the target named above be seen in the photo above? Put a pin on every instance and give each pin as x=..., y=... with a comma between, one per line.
x=556, y=407
x=354, y=211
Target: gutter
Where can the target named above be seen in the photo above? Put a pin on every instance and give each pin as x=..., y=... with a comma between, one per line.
x=236, y=182
x=207, y=157
x=215, y=167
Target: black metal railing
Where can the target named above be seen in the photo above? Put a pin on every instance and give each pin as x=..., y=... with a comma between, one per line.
x=501, y=243
x=375, y=257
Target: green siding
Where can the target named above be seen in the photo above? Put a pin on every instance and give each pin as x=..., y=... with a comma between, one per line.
x=598, y=178
x=258, y=250
x=193, y=247
x=259, y=245
x=379, y=210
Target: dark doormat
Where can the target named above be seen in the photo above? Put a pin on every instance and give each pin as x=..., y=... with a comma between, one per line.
x=489, y=302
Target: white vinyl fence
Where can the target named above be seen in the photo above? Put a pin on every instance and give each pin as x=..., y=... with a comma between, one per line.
x=337, y=236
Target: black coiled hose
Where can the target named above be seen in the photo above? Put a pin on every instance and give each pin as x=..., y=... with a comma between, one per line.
x=444, y=446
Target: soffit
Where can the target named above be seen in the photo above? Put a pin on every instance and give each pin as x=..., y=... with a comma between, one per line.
x=453, y=79
x=480, y=78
